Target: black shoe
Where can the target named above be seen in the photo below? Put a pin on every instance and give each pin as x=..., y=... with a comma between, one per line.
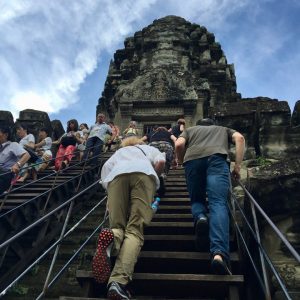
x=201, y=233
x=117, y=291
x=63, y=165
x=220, y=267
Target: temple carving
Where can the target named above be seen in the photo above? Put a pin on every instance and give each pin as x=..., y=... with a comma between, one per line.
x=170, y=69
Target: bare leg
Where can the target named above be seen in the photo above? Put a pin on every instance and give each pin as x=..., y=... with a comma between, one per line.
x=24, y=177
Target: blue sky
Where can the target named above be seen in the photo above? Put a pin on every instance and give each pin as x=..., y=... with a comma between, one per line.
x=54, y=55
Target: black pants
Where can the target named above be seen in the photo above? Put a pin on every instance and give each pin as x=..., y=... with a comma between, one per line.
x=5, y=180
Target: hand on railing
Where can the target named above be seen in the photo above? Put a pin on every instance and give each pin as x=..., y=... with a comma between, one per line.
x=236, y=172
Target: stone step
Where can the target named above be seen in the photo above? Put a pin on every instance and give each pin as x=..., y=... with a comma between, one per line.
x=174, y=285
x=175, y=179
x=174, y=201
x=179, y=184
x=22, y=195
x=174, y=209
x=177, y=242
x=178, y=189
x=172, y=217
x=170, y=228
x=135, y=298
x=173, y=262
x=175, y=194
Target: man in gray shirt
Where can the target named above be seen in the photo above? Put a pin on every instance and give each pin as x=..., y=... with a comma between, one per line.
x=12, y=157
x=204, y=151
x=95, y=140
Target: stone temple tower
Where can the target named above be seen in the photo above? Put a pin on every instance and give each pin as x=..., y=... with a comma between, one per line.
x=168, y=70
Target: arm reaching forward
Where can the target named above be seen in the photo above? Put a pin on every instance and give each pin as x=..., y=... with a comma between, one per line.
x=239, y=141
x=180, y=149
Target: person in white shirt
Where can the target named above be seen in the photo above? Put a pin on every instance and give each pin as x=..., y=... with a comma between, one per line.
x=27, y=141
x=96, y=138
x=12, y=157
x=130, y=176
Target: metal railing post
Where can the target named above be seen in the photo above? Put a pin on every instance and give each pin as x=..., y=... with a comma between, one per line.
x=62, y=233
x=262, y=260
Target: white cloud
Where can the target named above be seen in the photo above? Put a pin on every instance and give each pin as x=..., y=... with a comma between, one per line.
x=48, y=48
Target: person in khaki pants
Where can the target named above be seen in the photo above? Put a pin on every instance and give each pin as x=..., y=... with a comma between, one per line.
x=131, y=179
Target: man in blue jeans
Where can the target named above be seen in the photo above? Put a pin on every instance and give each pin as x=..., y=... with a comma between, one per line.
x=204, y=151
x=95, y=140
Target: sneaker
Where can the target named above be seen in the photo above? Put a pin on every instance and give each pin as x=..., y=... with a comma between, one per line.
x=220, y=267
x=201, y=226
x=101, y=265
x=117, y=291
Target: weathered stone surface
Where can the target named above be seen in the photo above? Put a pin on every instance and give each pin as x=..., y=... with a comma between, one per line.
x=35, y=119
x=296, y=114
x=276, y=188
x=264, y=122
x=169, y=64
x=6, y=118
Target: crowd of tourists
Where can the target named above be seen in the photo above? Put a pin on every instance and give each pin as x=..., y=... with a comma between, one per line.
x=133, y=176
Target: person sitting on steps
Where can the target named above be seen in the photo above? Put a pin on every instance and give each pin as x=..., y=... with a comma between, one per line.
x=27, y=141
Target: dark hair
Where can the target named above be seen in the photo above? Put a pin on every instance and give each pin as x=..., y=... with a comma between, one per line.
x=45, y=129
x=74, y=121
x=5, y=129
x=206, y=122
x=161, y=128
x=21, y=126
x=181, y=122
x=85, y=125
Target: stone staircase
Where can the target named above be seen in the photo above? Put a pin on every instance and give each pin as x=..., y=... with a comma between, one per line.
x=169, y=266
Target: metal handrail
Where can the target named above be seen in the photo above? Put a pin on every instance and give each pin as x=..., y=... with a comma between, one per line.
x=43, y=218
x=47, y=284
x=36, y=164
x=277, y=231
x=41, y=194
x=264, y=256
x=48, y=190
x=61, y=234
x=55, y=244
x=71, y=201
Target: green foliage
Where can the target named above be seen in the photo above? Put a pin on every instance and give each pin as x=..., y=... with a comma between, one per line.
x=19, y=289
x=262, y=161
x=34, y=270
